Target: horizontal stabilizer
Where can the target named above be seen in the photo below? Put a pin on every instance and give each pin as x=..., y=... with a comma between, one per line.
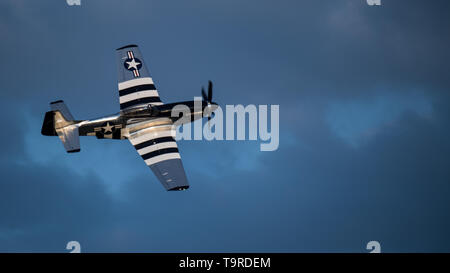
x=70, y=138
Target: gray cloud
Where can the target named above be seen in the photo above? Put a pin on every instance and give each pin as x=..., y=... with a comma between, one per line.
x=316, y=193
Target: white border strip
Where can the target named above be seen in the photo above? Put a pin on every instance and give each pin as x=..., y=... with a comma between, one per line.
x=156, y=147
x=162, y=157
x=138, y=95
x=135, y=82
x=152, y=135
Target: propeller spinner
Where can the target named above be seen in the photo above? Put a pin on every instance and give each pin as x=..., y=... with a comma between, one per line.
x=208, y=98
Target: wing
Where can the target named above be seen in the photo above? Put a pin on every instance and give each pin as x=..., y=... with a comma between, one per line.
x=136, y=86
x=157, y=146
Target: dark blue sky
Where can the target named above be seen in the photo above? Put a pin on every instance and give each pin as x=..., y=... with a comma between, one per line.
x=364, y=126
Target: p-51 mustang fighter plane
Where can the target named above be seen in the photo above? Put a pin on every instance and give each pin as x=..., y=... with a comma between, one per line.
x=143, y=119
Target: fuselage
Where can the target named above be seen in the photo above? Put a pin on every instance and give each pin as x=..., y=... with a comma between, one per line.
x=124, y=123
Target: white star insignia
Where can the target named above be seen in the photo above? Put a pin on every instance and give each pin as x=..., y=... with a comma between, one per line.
x=133, y=64
x=108, y=128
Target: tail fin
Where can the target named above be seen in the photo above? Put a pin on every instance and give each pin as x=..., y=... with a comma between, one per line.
x=60, y=122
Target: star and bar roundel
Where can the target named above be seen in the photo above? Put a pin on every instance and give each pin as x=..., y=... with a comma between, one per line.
x=132, y=64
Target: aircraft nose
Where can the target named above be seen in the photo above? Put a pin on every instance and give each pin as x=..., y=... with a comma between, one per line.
x=209, y=110
x=214, y=106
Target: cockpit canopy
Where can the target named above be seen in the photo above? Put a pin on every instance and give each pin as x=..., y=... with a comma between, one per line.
x=141, y=110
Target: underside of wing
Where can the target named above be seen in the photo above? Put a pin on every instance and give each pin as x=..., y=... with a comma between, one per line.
x=136, y=87
x=157, y=146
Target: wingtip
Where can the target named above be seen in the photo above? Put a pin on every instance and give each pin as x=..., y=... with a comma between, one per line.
x=179, y=188
x=127, y=46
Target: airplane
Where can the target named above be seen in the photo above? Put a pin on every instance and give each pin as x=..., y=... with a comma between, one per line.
x=143, y=119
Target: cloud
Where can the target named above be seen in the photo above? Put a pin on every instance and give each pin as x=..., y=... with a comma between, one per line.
x=357, y=120
x=380, y=70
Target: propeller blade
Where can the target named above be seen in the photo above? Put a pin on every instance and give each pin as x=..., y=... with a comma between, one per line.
x=205, y=98
x=209, y=91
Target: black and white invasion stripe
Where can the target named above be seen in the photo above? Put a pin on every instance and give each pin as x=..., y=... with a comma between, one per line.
x=156, y=146
x=138, y=91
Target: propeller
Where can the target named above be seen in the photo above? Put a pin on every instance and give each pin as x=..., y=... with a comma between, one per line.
x=208, y=98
